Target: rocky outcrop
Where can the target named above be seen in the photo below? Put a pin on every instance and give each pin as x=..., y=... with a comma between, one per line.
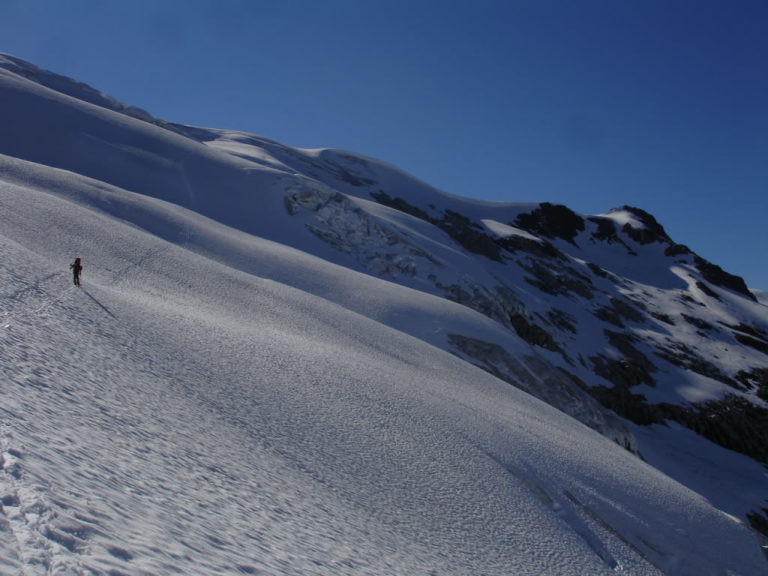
x=533, y=333
x=674, y=250
x=562, y=320
x=758, y=520
x=619, y=310
x=552, y=221
x=468, y=234
x=755, y=378
x=698, y=322
x=719, y=277
x=757, y=343
x=539, y=248
x=557, y=279
x=732, y=422
x=642, y=324
x=684, y=357
x=650, y=231
x=624, y=373
x=339, y=222
x=630, y=405
x=495, y=302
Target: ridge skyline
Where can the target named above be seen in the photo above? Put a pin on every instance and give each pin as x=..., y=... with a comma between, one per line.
x=581, y=106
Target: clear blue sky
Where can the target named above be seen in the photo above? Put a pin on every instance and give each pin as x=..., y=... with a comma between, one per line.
x=661, y=104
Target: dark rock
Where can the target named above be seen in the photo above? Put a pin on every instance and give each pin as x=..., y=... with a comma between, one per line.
x=467, y=233
x=562, y=320
x=633, y=369
x=532, y=333
x=633, y=407
x=493, y=304
x=719, y=277
x=698, y=322
x=758, y=520
x=606, y=229
x=755, y=378
x=759, y=345
x=732, y=422
x=554, y=386
x=552, y=221
x=677, y=250
x=624, y=373
x=598, y=271
x=606, y=232
x=681, y=355
x=707, y=290
x=401, y=205
x=619, y=310
x=542, y=249
x=558, y=281
x=751, y=336
x=663, y=318
x=688, y=299
x=652, y=231
x=747, y=329
x=624, y=343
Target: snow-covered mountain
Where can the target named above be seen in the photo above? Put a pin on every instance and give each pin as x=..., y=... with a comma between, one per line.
x=287, y=361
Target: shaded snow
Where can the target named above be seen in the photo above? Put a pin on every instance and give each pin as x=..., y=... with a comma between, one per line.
x=179, y=415
x=220, y=398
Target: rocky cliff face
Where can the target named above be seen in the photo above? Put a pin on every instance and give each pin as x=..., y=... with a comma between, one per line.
x=611, y=300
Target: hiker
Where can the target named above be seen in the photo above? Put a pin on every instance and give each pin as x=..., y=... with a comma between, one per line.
x=76, y=269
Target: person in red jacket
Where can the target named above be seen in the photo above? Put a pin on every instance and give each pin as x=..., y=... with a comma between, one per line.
x=76, y=269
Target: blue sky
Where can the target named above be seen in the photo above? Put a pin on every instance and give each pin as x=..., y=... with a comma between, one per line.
x=593, y=104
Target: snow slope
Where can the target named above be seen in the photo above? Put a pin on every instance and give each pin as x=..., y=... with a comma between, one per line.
x=175, y=415
x=214, y=401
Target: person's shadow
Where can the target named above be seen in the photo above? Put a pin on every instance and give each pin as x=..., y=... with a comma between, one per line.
x=99, y=304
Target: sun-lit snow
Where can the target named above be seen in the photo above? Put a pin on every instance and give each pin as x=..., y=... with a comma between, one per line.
x=502, y=230
x=624, y=217
x=228, y=393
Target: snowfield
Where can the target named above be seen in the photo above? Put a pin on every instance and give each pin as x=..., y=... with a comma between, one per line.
x=215, y=401
x=177, y=415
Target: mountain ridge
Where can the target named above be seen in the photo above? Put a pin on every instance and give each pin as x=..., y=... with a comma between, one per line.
x=603, y=317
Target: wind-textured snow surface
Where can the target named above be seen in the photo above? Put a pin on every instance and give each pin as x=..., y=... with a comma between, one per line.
x=211, y=401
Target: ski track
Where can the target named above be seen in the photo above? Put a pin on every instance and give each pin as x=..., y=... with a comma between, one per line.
x=152, y=448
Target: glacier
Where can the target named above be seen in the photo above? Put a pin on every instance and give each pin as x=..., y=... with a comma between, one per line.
x=262, y=373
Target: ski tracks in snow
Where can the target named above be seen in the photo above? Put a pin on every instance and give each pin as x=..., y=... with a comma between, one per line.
x=38, y=535
x=27, y=542
x=11, y=556
x=33, y=299
x=614, y=549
